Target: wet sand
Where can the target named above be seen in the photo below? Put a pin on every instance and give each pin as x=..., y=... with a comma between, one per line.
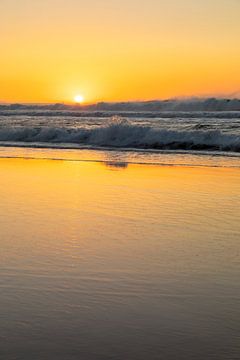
x=101, y=261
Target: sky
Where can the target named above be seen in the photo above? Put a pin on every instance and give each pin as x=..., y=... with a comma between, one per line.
x=112, y=50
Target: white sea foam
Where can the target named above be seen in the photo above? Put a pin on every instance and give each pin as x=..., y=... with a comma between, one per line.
x=120, y=133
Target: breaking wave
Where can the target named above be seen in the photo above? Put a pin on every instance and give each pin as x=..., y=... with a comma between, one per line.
x=122, y=134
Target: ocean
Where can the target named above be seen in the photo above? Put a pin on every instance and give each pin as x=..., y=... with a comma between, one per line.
x=210, y=138
x=189, y=131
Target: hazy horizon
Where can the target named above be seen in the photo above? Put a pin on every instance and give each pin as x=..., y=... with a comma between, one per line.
x=132, y=101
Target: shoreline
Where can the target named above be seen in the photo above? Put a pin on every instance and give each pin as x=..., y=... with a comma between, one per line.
x=122, y=158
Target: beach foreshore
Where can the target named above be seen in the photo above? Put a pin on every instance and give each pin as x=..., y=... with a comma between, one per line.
x=110, y=257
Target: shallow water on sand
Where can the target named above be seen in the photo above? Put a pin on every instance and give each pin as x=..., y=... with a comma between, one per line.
x=108, y=262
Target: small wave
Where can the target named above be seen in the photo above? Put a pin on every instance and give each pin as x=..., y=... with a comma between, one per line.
x=119, y=133
x=122, y=113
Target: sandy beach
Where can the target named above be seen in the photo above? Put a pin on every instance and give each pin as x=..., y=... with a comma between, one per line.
x=100, y=261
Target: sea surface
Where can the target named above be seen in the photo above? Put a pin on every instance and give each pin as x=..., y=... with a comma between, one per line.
x=120, y=236
x=189, y=131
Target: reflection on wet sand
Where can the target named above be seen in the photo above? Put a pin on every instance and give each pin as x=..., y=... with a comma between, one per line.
x=115, y=161
x=135, y=264
x=115, y=165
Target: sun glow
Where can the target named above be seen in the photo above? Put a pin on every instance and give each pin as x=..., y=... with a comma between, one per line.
x=79, y=99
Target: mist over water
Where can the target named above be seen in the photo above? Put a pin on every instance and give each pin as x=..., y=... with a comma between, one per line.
x=188, y=104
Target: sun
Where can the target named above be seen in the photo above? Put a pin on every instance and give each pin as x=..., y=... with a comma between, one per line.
x=79, y=99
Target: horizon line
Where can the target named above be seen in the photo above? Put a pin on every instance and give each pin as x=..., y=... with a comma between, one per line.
x=69, y=103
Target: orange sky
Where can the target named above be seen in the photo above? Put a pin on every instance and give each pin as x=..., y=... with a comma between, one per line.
x=114, y=50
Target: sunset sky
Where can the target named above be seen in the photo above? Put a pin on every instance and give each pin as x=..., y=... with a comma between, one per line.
x=111, y=50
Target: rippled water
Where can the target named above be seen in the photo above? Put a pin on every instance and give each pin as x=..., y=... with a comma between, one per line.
x=102, y=261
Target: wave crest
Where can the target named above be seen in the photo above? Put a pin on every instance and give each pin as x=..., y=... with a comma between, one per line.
x=120, y=133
